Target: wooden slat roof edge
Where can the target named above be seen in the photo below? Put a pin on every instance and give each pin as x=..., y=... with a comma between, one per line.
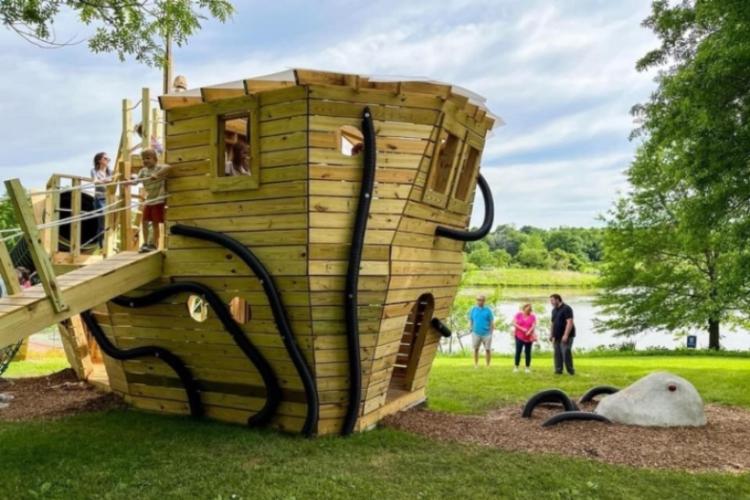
x=475, y=104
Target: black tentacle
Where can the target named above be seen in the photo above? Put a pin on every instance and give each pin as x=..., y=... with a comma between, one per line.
x=277, y=308
x=597, y=391
x=548, y=396
x=574, y=415
x=273, y=390
x=484, y=229
x=352, y=276
x=441, y=328
x=191, y=386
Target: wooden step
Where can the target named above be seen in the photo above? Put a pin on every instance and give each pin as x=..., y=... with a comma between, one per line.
x=30, y=311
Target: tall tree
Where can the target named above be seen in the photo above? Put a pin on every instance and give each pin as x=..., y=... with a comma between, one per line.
x=675, y=246
x=136, y=28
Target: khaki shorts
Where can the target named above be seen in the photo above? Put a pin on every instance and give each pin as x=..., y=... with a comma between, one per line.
x=478, y=340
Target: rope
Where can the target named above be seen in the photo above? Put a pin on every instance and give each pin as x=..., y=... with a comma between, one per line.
x=12, y=236
x=91, y=240
x=96, y=213
x=81, y=187
x=78, y=218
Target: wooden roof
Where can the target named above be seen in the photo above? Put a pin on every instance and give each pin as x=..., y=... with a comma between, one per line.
x=474, y=104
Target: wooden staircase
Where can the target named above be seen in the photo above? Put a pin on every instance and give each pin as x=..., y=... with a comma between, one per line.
x=31, y=310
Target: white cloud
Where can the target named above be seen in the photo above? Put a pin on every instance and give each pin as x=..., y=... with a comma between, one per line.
x=562, y=78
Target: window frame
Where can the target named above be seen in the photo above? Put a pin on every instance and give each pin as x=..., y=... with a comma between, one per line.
x=457, y=204
x=248, y=107
x=430, y=196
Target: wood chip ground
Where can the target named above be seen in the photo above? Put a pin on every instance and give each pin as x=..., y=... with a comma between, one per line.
x=722, y=445
x=52, y=396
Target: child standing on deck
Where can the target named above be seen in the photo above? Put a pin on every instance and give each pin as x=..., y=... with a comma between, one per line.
x=153, y=177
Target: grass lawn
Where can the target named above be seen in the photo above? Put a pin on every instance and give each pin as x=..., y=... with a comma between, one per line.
x=37, y=366
x=136, y=455
x=529, y=277
x=128, y=454
x=456, y=386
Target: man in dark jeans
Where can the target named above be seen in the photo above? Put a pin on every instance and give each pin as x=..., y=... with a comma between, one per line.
x=562, y=332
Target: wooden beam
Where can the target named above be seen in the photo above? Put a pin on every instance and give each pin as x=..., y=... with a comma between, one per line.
x=256, y=86
x=145, y=119
x=178, y=101
x=217, y=94
x=127, y=128
x=52, y=208
x=25, y=217
x=84, y=289
x=110, y=222
x=75, y=225
x=8, y=270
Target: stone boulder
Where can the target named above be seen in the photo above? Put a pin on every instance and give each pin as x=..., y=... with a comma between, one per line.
x=660, y=399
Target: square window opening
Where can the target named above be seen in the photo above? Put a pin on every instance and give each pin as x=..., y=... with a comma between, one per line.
x=441, y=169
x=467, y=174
x=234, y=146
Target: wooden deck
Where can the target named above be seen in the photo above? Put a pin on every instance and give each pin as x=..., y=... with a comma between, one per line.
x=30, y=311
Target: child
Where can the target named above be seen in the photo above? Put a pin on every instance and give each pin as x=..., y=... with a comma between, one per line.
x=152, y=176
x=153, y=140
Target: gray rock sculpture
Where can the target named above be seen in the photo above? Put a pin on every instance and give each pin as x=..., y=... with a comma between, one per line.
x=660, y=399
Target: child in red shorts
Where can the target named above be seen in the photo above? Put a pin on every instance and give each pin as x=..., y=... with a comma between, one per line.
x=153, y=177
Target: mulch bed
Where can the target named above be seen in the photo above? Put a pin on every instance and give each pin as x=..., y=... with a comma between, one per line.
x=53, y=396
x=723, y=445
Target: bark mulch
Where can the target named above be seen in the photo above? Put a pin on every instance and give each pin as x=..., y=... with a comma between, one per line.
x=723, y=445
x=52, y=396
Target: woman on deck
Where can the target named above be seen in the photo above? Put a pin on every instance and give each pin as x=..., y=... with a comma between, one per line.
x=525, y=335
x=101, y=174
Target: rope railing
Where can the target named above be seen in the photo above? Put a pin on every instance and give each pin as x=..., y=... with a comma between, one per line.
x=93, y=214
x=91, y=185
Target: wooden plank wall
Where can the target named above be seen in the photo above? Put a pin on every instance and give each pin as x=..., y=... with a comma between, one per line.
x=299, y=222
x=403, y=125
x=272, y=220
x=419, y=263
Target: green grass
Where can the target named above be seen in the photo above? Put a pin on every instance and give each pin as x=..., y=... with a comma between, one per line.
x=36, y=367
x=128, y=454
x=456, y=386
x=529, y=277
x=136, y=455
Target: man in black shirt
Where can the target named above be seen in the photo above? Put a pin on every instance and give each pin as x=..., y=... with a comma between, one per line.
x=562, y=332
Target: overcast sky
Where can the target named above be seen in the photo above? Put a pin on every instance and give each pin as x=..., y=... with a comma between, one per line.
x=561, y=74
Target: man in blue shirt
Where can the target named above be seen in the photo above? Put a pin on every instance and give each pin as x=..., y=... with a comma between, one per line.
x=481, y=323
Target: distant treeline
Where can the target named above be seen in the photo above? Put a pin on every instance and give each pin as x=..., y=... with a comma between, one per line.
x=565, y=248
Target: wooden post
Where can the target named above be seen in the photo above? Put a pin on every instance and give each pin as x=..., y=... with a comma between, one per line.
x=157, y=132
x=25, y=217
x=110, y=222
x=75, y=225
x=126, y=228
x=145, y=119
x=8, y=270
x=127, y=128
x=168, y=65
x=53, y=214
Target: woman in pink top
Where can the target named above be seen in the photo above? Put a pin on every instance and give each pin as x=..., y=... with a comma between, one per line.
x=525, y=333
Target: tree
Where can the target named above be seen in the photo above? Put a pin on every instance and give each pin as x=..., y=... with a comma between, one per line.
x=506, y=237
x=481, y=256
x=126, y=27
x=7, y=216
x=533, y=253
x=675, y=245
x=501, y=258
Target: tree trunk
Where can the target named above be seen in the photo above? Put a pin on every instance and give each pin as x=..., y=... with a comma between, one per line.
x=713, y=334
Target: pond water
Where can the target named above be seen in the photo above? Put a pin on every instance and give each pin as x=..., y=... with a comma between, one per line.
x=582, y=302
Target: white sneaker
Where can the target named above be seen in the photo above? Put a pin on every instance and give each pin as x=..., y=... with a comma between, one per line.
x=528, y=370
x=515, y=369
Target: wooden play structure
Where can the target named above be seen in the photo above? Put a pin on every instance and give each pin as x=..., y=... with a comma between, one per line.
x=315, y=230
